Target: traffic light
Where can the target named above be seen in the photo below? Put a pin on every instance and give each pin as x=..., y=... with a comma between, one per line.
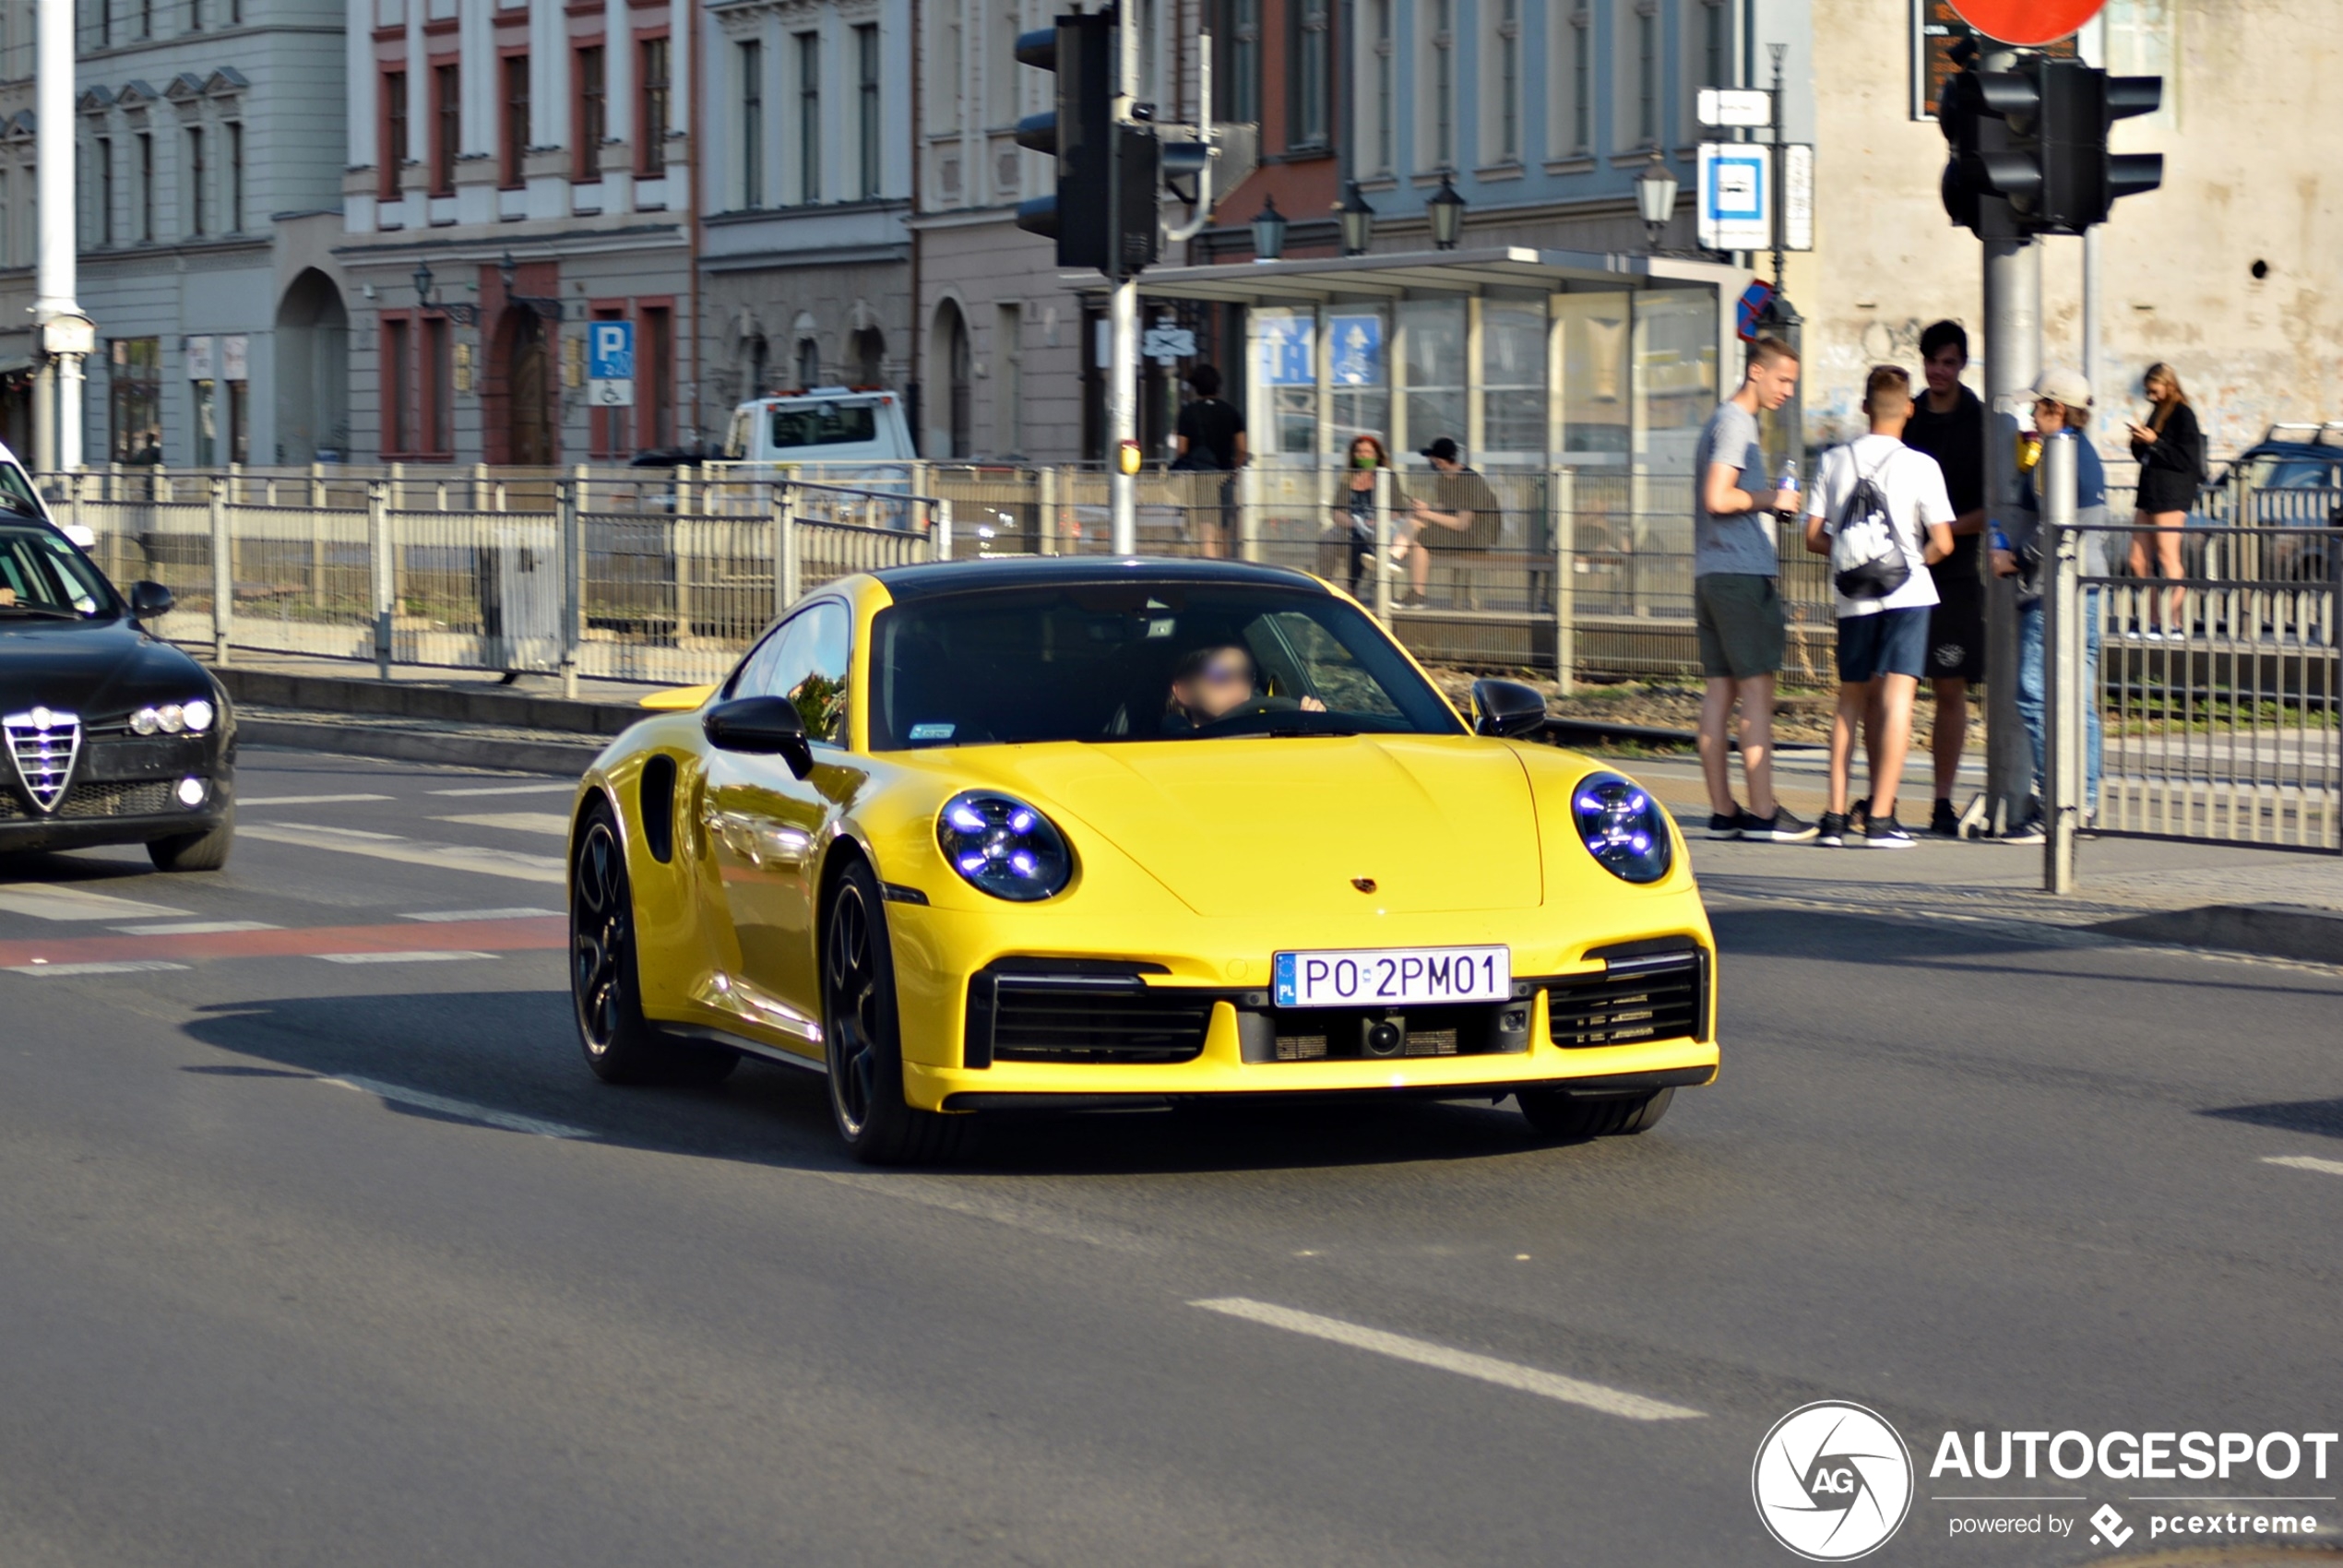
x=2036, y=139
x=1101, y=216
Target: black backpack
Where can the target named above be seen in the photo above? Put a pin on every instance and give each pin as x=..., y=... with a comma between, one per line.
x=1866, y=558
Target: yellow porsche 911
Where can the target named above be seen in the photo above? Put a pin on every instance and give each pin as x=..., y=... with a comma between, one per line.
x=1094, y=832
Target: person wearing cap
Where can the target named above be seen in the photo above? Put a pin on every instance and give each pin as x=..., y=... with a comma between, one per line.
x=2061, y=402
x=1463, y=514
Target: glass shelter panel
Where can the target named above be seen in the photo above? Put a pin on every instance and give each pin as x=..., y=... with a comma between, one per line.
x=1433, y=332
x=1513, y=380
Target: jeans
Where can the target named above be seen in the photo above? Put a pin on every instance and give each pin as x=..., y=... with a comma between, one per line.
x=2033, y=696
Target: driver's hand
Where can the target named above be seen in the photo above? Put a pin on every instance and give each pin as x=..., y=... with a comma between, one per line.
x=7, y=599
x=1312, y=705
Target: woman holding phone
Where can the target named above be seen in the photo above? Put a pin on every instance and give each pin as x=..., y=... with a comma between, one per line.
x=2171, y=450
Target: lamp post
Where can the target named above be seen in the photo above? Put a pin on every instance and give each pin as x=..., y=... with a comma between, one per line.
x=1268, y=230
x=1656, y=199
x=456, y=310
x=1446, y=211
x=1358, y=220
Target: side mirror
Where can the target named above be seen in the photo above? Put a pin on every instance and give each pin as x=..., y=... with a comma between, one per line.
x=761, y=727
x=1507, y=708
x=148, y=601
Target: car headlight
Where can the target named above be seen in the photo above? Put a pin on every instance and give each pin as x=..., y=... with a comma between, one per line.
x=146, y=721
x=195, y=717
x=1003, y=847
x=1623, y=827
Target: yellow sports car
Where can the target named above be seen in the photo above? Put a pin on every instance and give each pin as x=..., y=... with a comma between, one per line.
x=1087, y=831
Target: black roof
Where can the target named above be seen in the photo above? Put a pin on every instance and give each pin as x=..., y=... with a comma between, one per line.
x=1036, y=571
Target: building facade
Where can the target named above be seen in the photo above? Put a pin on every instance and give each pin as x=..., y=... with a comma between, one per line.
x=805, y=250
x=517, y=173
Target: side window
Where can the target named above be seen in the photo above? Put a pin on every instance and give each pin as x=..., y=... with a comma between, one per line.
x=804, y=659
x=1327, y=669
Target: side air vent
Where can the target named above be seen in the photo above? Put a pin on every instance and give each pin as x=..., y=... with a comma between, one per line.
x=1081, y=1016
x=658, y=798
x=1646, y=996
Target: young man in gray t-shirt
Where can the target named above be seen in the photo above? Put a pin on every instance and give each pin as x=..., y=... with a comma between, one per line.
x=1736, y=606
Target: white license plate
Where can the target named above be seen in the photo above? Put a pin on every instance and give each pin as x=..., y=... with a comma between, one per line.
x=1393, y=977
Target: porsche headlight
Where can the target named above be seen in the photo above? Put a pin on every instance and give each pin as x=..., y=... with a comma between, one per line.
x=1003, y=847
x=1623, y=827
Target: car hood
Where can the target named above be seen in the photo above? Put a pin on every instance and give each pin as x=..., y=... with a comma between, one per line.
x=99, y=669
x=1252, y=826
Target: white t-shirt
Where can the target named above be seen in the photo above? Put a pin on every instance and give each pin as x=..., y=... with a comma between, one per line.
x=1914, y=487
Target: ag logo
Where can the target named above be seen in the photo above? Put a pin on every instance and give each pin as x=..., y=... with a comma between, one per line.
x=1832, y=1481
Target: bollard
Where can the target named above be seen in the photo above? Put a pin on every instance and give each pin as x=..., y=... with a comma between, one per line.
x=223, y=571
x=2061, y=548
x=378, y=561
x=1382, y=547
x=1249, y=513
x=566, y=497
x=943, y=529
x=787, y=574
x=1563, y=500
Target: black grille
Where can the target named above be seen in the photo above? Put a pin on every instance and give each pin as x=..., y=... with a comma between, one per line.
x=83, y=802
x=1348, y=1034
x=1082, y=1017
x=1648, y=996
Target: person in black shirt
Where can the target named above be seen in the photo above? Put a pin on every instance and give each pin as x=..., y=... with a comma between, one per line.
x=1210, y=438
x=1454, y=510
x=1948, y=423
x=2170, y=451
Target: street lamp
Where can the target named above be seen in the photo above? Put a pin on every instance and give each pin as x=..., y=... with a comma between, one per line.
x=1268, y=230
x=1656, y=198
x=1446, y=211
x=456, y=310
x=1358, y=220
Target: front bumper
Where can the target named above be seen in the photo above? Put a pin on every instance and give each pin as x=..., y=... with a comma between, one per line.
x=100, y=811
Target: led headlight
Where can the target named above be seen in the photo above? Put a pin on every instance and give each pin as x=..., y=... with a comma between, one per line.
x=1623, y=827
x=1003, y=847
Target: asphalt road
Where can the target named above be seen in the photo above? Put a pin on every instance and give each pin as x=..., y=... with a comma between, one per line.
x=311, y=1260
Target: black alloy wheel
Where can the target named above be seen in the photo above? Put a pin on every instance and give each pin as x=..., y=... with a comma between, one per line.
x=621, y=1046
x=861, y=1035
x=1558, y=1114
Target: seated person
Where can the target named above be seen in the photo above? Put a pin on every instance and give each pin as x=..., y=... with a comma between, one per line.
x=1462, y=514
x=1215, y=681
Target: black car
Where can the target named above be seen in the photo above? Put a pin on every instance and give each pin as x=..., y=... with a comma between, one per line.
x=112, y=735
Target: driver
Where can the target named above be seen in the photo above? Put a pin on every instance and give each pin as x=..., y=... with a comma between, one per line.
x=1215, y=681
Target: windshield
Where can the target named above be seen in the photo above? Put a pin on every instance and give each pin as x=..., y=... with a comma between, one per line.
x=16, y=492
x=1138, y=662
x=825, y=424
x=2288, y=473
x=43, y=577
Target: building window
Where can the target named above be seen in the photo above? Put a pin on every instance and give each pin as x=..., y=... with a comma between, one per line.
x=593, y=116
x=1648, y=74
x=1009, y=381
x=1381, y=71
x=1506, y=47
x=105, y=24
x=105, y=191
x=8, y=229
x=1582, y=82
x=240, y=421
x=1715, y=69
x=1236, y=74
x=1444, y=84
x=145, y=187
x=516, y=138
x=809, y=116
x=447, y=126
x=194, y=16
x=809, y=364
x=395, y=141
x=145, y=18
x=751, y=68
x=399, y=394
x=866, y=104
x=650, y=127
x=235, y=176
x=655, y=364
x=439, y=388
x=1312, y=74
x=135, y=399
x=197, y=215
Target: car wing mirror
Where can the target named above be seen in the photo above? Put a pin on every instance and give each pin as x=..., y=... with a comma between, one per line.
x=148, y=601
x=1507, y=708
x=761, y=727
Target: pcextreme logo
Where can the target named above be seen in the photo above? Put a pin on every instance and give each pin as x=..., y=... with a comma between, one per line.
x=1833, y=1481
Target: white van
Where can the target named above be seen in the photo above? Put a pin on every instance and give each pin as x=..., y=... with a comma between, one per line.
x=828, y=425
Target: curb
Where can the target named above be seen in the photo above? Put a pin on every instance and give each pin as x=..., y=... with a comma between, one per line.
x=2276, y=931
x=562, y=758
x=482, y=703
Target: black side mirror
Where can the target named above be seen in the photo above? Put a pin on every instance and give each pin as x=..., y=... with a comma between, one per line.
x=761, y=727
x=1507, y=708
x=148, y=601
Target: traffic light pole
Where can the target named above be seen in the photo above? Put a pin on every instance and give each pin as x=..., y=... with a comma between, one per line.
x=1123, y=318
x=2012, y=361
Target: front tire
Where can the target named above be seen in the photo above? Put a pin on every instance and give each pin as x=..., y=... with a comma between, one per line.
x=195, y=851
x=621, y=1046
x=1558, y=1114
x=861, y=1037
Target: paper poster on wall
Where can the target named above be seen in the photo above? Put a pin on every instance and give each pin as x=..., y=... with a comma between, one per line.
x=201, y=360
x=235, y=358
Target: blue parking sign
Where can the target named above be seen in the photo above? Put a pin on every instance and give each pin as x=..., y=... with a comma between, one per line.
x=610, y=351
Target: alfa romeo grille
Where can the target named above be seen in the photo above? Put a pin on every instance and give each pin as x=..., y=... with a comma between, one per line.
x=42, y=744
x=1648, y=996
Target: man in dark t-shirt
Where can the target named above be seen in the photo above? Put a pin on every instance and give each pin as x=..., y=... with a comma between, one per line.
x=1948, y=423
x=1210, y=431
x=1452, y=509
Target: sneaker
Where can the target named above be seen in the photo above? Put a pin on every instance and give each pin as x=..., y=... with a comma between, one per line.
x=1832, y=834
x=1859, y=817
x=1727, y=825
x=2030, y=831
x=1887, y=832
x=1944, y=821
x=1779, y=828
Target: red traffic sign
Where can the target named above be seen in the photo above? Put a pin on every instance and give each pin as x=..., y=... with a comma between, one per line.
x=2028, y=23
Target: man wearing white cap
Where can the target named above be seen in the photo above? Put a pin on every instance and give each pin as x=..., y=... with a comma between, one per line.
x=2062, y=401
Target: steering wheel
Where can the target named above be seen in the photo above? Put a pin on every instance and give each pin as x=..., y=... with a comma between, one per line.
x=1253, y=709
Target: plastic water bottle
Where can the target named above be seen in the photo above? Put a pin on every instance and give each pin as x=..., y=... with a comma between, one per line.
x=1786, y=489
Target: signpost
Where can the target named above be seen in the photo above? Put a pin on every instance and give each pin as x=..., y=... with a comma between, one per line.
x=609, y=364
x=1166, y=342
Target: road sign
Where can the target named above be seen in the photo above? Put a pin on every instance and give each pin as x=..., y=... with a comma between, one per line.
x=1797, y=196
x=2028, y=23
x=609, y=364
x=1937, y=28
x=1736, y=106
x=1736, y=196
x=1165, y=343
x=1750, y=309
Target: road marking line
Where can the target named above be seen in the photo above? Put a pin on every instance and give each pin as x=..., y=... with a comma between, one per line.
x=1488, y=1368
x=537, y=934
x=441, y=916
x=512, y=790
x=419, y=955
x=465, y=1108
x=2305, y=1162
x=304, y=800
x=127, y=967
x=194, y=928
x=554, y=822
x=51, y=901
x=412, y=851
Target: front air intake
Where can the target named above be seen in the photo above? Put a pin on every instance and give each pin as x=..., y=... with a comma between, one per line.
x=1646, y=996
x=1078, y=1016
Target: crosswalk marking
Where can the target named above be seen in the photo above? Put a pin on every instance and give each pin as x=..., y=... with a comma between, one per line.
x=419, y=955
x=2305, y=1162
x=120, y=967
x=398, y=1095
x=512, y=790
x=306, y=799
x=60, y=901
x=554, y=822
x=442, y=915
x=194, y=928
x=413, y=851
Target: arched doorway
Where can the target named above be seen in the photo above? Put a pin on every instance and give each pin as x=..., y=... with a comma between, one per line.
x=312, y=372
x=523, y=359
x=950, y=345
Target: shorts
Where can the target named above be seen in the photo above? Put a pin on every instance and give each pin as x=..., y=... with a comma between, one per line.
x=1738, y=615
x=1956, y=626
x=1888, y=642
